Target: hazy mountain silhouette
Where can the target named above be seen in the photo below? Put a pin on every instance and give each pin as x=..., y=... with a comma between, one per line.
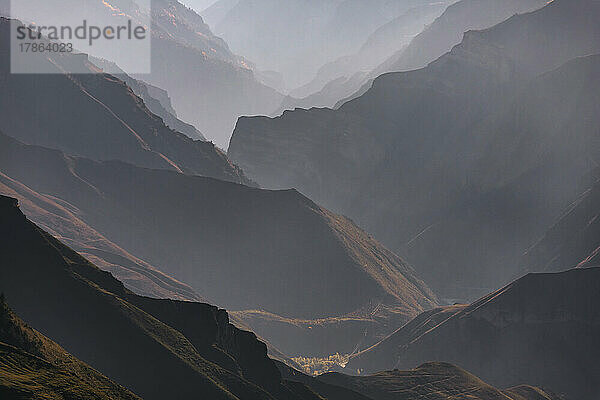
x=243, y=248
x=33, y=366
x=436, y=39
x=295, y=37
x=105, y=119
x=541, y=329
x=157, y=348
x=448, y=29
x=210, y=86
x=459, y=165
x=376, y=48
x=343, y=77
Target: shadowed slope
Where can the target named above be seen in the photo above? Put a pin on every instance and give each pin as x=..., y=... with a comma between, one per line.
x=574, y=240
x=61, y=220
x=542, y=329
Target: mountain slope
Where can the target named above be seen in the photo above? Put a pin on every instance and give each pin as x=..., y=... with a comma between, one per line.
x=112, y=122
x=32, y=366
x=542, y=329
x=457, y=165
x=218, y=86
x=156, y=99
x=158, y=348
x=241, y=247
x=62, y=221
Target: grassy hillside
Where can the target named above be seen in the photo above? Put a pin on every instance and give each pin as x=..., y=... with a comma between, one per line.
x=33, y=366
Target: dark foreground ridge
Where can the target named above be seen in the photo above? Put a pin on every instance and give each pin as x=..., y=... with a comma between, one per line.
x=157, y=348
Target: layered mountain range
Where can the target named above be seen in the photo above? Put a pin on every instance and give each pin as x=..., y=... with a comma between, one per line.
x=157, y=348
x=210, y=87
x=462, y=165
x=167, y=233
x=392, y=48
x=197, y=230
x=448, y=29
x=476, y=162
x=143, y=210
x=377, y=47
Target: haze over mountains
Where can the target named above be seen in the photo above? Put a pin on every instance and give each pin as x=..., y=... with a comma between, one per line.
x=447, y=30
x=461, y=165
x=440, y=216
x=205, y=239
x=394, y=47
x=296, y=38
x=342, y=77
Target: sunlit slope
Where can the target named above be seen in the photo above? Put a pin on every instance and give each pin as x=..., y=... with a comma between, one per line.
x=33, y=366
